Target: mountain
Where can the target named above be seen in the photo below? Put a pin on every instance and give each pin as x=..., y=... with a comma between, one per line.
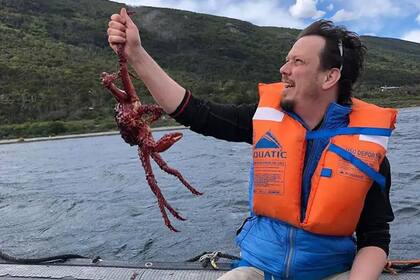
x=53, y=51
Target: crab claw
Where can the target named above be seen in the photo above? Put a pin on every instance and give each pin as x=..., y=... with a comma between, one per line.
x=108, y=82
x=167, y=141
x=107, y=79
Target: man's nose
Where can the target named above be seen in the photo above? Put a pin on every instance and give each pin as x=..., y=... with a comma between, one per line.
x=284, y=70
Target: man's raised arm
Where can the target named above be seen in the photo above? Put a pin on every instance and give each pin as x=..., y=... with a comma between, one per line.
x=166, y=92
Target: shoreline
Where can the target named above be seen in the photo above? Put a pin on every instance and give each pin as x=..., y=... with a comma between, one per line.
x=106, y=133
x=82, y=135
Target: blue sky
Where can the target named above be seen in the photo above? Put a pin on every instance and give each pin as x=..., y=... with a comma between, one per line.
x=385, y=18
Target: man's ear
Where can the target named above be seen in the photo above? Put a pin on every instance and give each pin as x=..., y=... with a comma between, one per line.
x=331, y=78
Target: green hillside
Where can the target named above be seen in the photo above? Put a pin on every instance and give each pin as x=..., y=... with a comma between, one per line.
x=53, y=51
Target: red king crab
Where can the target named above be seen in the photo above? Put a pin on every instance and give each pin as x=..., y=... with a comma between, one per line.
x=132, y=119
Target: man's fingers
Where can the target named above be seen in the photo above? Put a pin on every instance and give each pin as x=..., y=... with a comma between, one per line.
x=116, y=25
x=118, y=18
x=115, y=40
x=115, y=32
x=126, y=17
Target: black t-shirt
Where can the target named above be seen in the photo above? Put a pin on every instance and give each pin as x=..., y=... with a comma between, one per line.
x=234, y=123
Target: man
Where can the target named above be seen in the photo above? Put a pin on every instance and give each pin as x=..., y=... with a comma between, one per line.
x=319, y=166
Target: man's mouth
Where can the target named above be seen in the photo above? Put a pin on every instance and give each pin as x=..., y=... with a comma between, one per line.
x=289, y=84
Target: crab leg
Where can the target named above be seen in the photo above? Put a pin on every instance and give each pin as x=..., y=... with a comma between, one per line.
x=166, y=141
x=155, y=112
x=165, y=167
x=145, y=160
x=108, y=82
x=125, y=76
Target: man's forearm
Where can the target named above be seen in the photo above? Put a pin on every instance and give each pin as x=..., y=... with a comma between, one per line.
x=166, y=92
x=368, y=264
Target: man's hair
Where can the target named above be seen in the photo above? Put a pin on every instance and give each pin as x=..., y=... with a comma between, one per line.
x=352, y=58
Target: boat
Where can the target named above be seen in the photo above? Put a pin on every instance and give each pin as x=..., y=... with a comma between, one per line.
x=109, y=270
x=98, y=269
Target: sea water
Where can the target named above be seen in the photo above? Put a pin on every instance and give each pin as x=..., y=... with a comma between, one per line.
x=89, y=196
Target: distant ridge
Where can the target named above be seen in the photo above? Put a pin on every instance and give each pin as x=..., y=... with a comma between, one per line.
x=54, y=50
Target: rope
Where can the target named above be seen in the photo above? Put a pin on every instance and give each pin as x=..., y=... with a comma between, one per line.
x=207, y=258
x=398, y=266
x=58, y=258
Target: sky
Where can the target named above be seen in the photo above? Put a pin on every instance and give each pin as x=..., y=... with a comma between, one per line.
x=384, y=18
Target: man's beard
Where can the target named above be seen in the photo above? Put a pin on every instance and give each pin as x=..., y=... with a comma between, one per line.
x=287, y=105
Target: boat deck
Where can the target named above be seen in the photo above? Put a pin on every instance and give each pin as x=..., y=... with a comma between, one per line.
x=84, y=269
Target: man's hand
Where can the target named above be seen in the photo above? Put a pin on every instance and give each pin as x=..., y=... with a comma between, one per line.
x=368, y=264
x=166, y=92
x=122, y=30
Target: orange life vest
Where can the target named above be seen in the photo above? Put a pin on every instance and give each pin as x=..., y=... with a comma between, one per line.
x=338, y=186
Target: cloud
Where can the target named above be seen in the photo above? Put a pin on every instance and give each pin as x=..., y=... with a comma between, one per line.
x=305, y=9
x=382, y=17
x=374, y=16
x=362, y=9
x=413, y=4
x=377, y=8
x=263, y=12
x=413, y=36
x=343, y=15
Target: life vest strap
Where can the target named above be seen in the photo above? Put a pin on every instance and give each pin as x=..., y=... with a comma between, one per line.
x=369, y=171
x=328, y=133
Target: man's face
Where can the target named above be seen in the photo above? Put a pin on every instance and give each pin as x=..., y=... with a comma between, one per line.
x=302, y=73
